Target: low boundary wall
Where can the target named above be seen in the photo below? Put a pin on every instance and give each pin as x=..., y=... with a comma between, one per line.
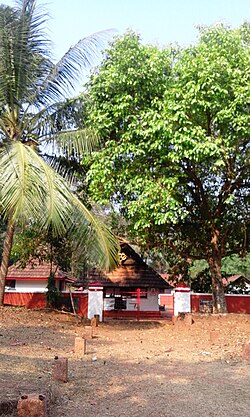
x=236, y=303
x=38, y=300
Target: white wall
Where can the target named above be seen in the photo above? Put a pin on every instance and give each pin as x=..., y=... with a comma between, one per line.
x=147, y=304
x=31, y=286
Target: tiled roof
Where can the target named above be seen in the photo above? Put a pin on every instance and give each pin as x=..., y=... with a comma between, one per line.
x=233, y=278
x=132, y=272
x=34, y=271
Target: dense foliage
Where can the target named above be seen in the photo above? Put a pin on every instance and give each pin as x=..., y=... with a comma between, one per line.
x=175, y=157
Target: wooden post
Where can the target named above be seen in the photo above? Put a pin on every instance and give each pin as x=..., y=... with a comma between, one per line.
x=72, y=301
x=188, y=319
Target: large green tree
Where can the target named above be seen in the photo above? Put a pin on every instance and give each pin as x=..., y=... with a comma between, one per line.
x=31, y=89
x=175, y=123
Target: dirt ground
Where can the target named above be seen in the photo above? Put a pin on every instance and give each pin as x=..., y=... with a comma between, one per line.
x=139, y=369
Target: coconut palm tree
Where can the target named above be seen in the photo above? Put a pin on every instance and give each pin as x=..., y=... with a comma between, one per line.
x=31, y=88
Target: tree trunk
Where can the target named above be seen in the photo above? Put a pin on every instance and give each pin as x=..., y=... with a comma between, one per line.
x=219, y=300
x=6, y=258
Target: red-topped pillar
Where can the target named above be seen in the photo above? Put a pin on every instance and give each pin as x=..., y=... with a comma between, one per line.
x=182, y=299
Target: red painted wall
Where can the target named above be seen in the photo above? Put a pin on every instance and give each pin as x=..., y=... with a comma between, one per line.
x=167, y=300
x=26, y=299
x=238, y=303
x=235, y=303
x=83, y=305
x=195, y=301
x=38, y=300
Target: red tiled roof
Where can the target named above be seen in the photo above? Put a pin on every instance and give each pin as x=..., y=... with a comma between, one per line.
x=233, y=278
x=34, y=271
x=132, y=272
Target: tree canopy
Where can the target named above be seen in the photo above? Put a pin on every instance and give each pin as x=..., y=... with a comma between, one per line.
x=175, y=156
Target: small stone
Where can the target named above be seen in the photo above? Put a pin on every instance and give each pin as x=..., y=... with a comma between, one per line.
x=246, y=351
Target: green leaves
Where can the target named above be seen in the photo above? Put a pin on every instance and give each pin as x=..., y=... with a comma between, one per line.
x=30, y=189
x=175, y=131
x=24, y=52
x=30, y=117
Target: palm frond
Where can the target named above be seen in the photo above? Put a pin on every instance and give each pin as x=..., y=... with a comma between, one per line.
x=61, y=126
x=24, y=52
x=28, y=186
x=76, y=142
x=104, y=245
x=30, y=189
x=66, y=168
x=65, y=75
x=30, y=87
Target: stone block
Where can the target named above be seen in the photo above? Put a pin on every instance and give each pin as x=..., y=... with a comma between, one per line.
x=80, y=346
x=246, y=351
x=188, y=319
x=88, y=332
x=60, y=369
x=93, y=322
x=32, y=405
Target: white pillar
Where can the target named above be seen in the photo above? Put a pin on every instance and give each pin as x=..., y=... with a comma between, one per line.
x=95, y=301
x=182, y=300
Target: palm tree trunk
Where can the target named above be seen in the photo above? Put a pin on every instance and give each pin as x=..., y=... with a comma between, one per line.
x=5, y=259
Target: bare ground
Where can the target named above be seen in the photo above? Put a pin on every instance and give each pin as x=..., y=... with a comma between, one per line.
x=139, y=369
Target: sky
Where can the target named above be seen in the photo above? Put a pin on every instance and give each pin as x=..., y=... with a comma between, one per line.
x=157, y=21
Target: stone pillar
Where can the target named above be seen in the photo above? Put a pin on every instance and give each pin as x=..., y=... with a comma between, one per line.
x=88, y=332
x=95, y=301
x=32, y=405
x=80, y=346
x=246, y=351
x=94, y=322
x=182, y=300
x=60, y=369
